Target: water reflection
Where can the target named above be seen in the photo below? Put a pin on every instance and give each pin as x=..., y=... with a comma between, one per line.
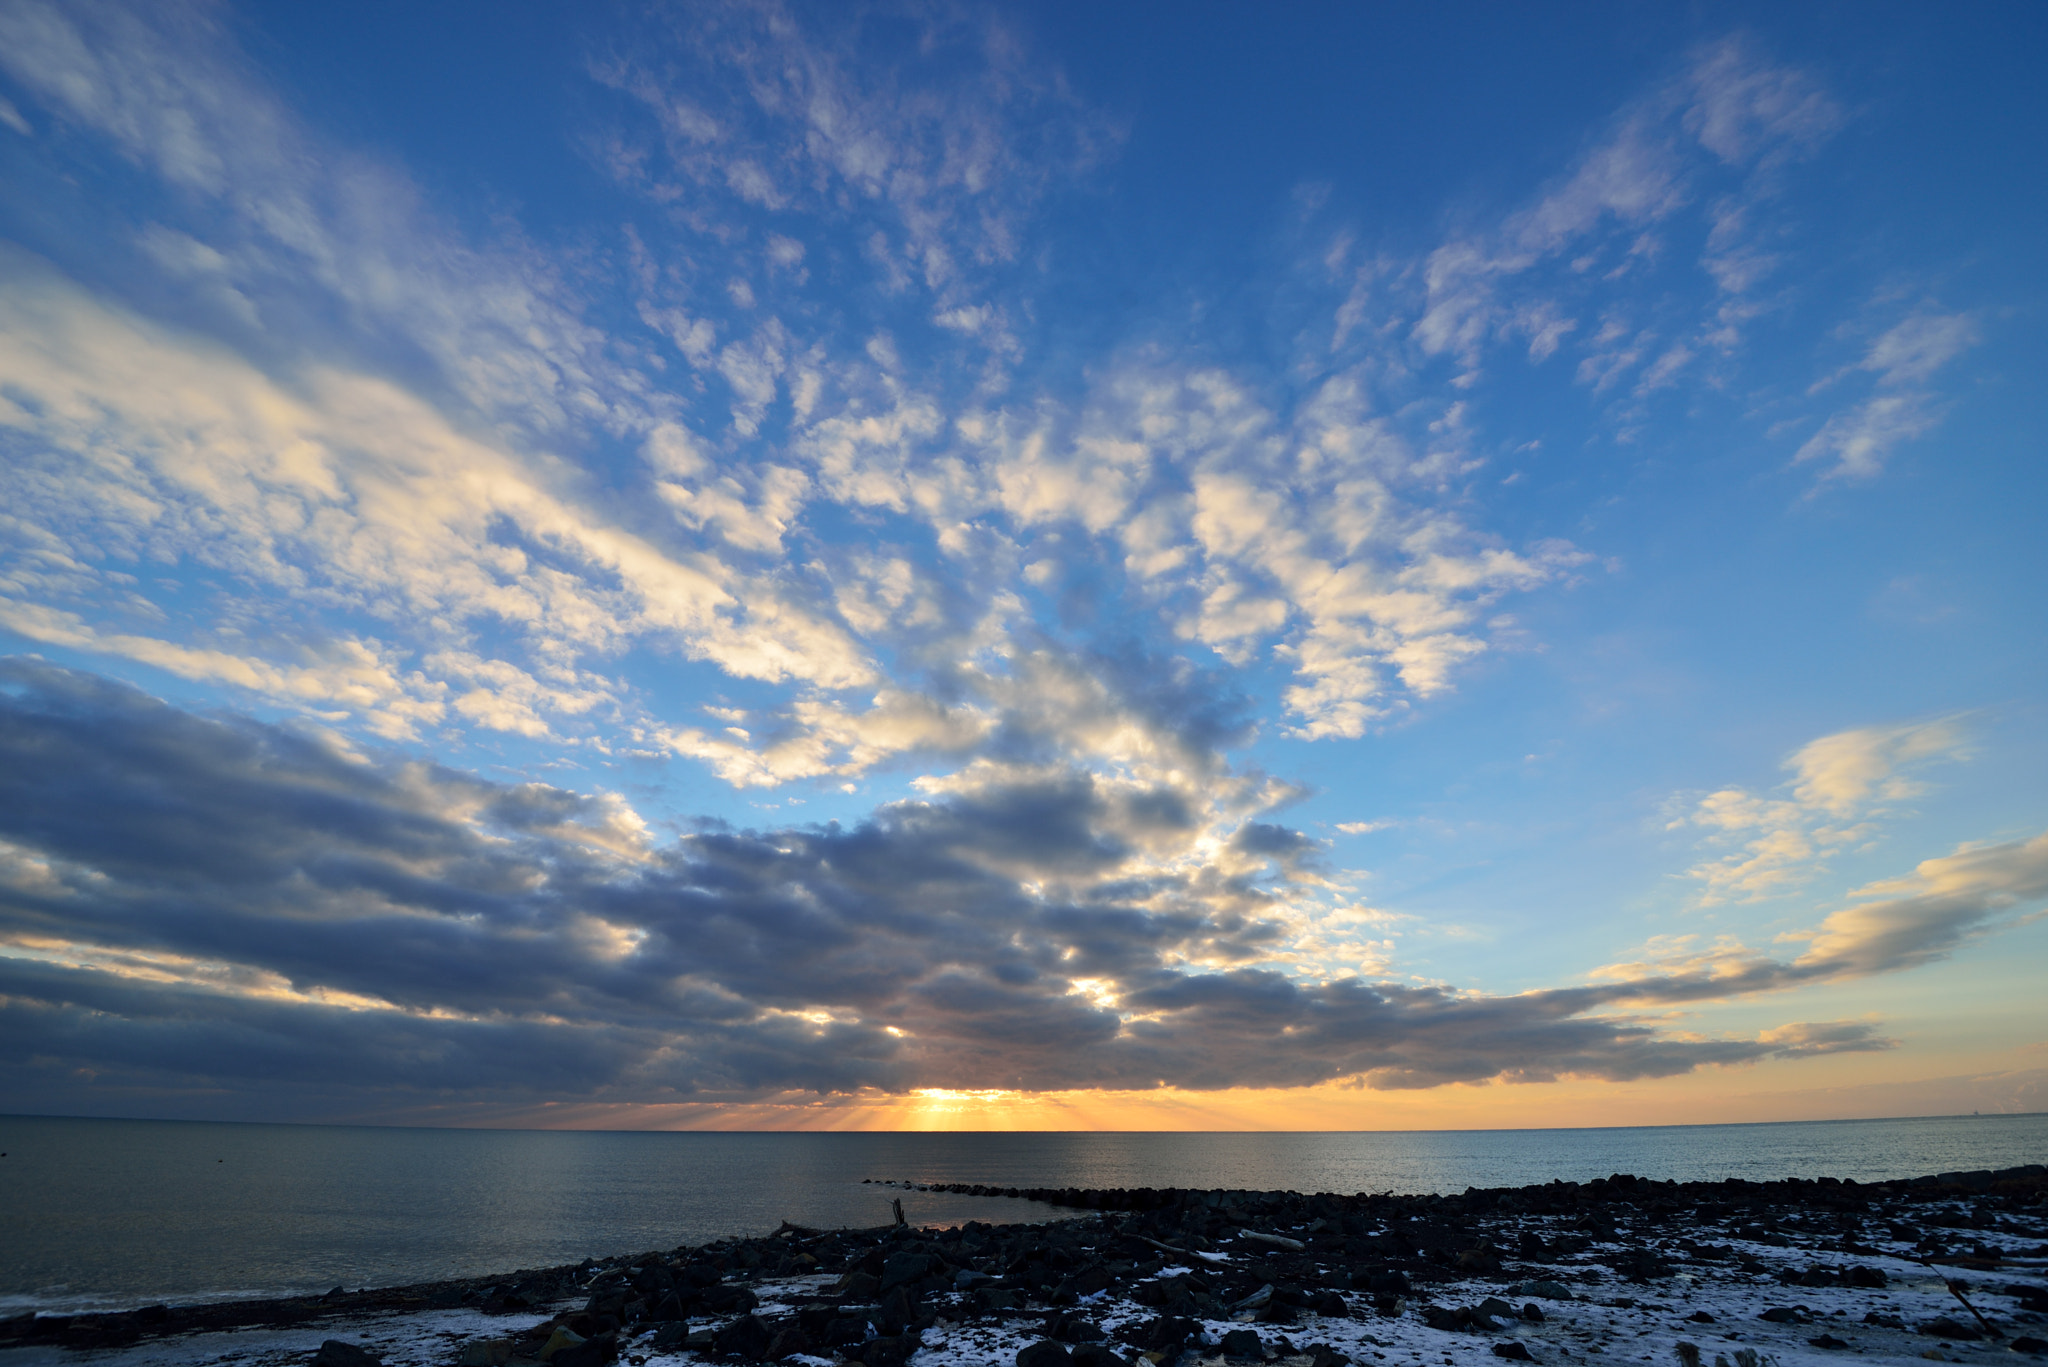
x=119, y=1212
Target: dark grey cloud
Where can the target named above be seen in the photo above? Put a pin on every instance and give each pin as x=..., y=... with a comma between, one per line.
x=215, y=907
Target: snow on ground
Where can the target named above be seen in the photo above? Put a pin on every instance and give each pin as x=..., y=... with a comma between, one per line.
x=1713, y=1306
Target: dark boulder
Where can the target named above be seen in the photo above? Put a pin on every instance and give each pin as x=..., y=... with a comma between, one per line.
x=1946, y=1328
x=341, y=1353
x=788, y=1341
x=1164, y=1335
x=1243, y=1343
x=888, y=1351
x=745, y=1337
x=842, y=1330
x=1044, y=1353
x=1514, y=1350
x=1074, y=1329
x=1095, y=1355
x=900, y=1269
x=592, y=1352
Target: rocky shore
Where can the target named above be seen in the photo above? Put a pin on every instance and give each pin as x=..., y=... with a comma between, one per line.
x=1615, y=1271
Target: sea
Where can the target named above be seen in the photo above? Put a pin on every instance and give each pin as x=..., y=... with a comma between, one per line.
x=113, y=1214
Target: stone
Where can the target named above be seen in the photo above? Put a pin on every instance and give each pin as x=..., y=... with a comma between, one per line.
x=1543, y=1290
x=1095, y=1355
x=1479, y=1261
x=890, y=1351
x=1330, y=1305
x=841, y=1330
x=729, y=1300
x=1074, y=1329
x=562, y=1337
x=2034, y=1346
x=1786, y=1314
x=486, y=1353
x=1828, y=1341
x=1044, y=1353
x=341, y=1353
x=895, y=1311
x=788, y=1341
x=1946, y=1328
x=595, y=1351
x=1163, y=1335
x=1869, y=1278
x=745, y=1337
x=1512, y=1349
x=859, y=1286
x=1088, y=1280
x=1243, y=1343
x=900, y=1269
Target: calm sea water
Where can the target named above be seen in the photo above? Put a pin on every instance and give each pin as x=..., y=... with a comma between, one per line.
x=111, y=1213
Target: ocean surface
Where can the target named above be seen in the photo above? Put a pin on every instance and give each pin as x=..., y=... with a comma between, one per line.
x=103, y=1214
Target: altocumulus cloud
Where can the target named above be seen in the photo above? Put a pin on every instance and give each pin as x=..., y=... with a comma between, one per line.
x=776, y=470
x=219, y=904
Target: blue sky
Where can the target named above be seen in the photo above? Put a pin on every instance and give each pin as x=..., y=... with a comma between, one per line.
x=1072, y=564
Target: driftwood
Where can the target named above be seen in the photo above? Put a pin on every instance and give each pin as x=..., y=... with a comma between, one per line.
x=1277, y=1240
x=1957, y=1292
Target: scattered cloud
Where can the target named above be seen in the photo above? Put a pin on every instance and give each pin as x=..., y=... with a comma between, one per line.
x=1841, y=785
x=1861, y=438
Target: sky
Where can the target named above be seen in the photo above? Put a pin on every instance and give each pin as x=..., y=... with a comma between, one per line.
x=1058, y=566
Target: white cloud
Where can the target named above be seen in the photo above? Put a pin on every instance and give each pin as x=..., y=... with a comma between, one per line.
x=1841, y=783
x=1861, y=438
x=1922, y=344
x=353, y=674
x=1923, y=916
x=352, y=493
x=164, y=85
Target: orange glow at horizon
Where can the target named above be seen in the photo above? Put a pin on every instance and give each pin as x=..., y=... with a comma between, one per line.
x=1855, y=1090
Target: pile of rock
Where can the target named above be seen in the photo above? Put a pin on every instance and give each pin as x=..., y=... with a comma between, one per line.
x=1172, y=1276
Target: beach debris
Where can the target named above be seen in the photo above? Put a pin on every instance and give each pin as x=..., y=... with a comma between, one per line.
x=1955, y=1288
x=1277, y=1240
